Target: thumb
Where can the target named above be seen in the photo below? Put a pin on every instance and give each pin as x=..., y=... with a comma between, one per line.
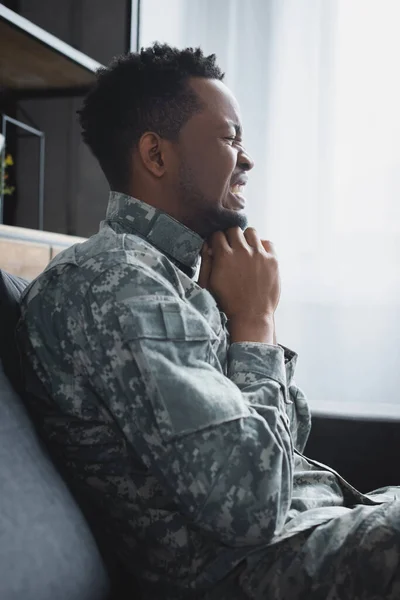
x=206, y=266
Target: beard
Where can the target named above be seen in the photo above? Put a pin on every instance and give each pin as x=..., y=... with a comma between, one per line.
x=202, y=214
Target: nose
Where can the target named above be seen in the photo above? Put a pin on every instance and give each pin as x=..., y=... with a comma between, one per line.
x=245, y=162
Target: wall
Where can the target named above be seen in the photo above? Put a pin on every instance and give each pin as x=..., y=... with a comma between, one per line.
x=75, y=188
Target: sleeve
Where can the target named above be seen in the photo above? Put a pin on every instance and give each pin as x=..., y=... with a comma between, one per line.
x=299, y=415
x=295, y=402
x=220, y=445
x=297, y=407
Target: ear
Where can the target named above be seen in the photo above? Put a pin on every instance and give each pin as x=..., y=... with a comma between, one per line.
x=151, y=150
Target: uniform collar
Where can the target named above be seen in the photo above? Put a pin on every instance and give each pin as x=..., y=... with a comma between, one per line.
x=162, y=231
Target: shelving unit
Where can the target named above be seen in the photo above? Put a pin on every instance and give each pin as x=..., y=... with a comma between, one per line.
x=35, y=63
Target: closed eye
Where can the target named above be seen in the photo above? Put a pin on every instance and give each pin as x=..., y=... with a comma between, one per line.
x=234, y=140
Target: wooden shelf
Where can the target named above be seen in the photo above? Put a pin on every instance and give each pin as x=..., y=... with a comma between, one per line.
x=34, y=61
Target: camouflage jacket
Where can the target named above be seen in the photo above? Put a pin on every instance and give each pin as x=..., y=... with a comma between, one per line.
x=188, y=447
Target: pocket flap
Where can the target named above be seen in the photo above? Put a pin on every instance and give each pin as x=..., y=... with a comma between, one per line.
x=157, y=318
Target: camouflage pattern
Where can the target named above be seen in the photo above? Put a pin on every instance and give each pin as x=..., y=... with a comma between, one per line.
x=187, y=447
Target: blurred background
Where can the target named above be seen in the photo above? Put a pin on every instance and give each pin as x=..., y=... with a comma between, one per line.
x=318, y=84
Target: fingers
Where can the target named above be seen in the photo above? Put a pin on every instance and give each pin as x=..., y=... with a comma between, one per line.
x=269, y=247
x=205, y=268
x=219, y=243
x=235, y=238
x=252, y=238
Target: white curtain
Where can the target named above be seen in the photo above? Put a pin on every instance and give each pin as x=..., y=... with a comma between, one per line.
x=318, y=83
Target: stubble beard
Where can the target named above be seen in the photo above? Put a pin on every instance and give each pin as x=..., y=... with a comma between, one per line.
x=203, y=215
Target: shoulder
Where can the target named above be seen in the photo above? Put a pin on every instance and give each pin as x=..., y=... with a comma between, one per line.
x=107, y=267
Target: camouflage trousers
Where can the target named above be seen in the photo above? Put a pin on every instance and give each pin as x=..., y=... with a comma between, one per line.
x=352, y=557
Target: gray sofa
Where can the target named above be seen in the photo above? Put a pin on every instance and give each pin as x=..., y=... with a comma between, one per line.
x=47, y=550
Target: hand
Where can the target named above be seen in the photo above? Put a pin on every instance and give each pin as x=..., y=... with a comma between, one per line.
x=243, y=276
x=205, y=267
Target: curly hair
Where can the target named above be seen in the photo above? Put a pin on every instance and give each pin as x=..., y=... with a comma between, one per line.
x=139, y=92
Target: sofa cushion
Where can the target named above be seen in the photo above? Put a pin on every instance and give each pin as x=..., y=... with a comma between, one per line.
x=46, y=548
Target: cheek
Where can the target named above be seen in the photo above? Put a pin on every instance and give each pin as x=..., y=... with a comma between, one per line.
x=224, y=166
x=216, y=168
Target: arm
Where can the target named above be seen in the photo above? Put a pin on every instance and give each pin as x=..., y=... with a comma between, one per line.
x=227, y=466
x=300, y=417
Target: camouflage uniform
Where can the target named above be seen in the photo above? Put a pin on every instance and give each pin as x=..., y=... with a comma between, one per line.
x=189, y=447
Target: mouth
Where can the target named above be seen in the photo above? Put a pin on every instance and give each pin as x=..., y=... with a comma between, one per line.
x=237, y=189
x=237, y=199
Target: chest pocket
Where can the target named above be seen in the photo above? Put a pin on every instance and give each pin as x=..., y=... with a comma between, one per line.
x=183, y=392
x=159, y=319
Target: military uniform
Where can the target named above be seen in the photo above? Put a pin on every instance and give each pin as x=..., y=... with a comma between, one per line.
x=189, y=448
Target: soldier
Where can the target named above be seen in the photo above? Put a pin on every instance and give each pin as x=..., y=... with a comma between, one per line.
x=169, y=404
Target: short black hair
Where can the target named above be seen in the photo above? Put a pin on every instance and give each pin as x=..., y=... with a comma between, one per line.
x=139, y=92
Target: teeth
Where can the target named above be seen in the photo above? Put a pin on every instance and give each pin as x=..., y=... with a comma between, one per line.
x=236, y=189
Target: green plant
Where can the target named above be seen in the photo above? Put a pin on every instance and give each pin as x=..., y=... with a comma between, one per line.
x=8, y=161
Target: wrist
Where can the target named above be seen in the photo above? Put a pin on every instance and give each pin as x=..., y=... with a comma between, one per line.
x=252, y=328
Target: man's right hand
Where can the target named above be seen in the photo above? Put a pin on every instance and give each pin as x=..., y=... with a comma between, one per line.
x=244, y=279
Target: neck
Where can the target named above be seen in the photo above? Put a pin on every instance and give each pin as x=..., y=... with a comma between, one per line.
x=163, y=200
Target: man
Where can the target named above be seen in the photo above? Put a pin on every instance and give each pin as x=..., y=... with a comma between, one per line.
x=169, y=404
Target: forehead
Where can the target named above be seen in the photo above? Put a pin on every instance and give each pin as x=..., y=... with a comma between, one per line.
x=219, y=104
